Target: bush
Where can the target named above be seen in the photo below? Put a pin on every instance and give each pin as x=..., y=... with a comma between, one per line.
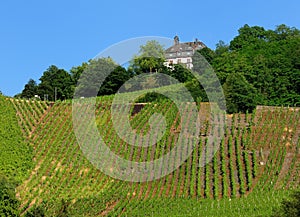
x=289, y=207
x=36, y=212
x=8, y=202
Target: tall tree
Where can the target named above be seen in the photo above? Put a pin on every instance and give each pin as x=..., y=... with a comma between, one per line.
x=152, y=49
x=239, y=94
x=114, y=81
x=77, y=71
x=248, y=36
x=150, y=58
x=208, y=54
x=96, y=73
x=221, y=47
x=30, y=89
x=55, y=84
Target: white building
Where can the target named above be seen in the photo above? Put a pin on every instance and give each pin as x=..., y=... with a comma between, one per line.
x=182, y=53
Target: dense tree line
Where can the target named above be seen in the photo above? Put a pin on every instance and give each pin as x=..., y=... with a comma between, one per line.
x=257, y=67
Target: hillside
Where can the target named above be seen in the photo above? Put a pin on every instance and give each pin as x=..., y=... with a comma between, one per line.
x=15, y=152
x=255, y=167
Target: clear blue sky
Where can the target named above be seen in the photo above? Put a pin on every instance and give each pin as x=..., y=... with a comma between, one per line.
x=35, y=34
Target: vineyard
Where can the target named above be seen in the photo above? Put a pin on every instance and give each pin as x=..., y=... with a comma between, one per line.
x=255, y=165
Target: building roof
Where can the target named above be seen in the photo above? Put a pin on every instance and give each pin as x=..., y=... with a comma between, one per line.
x=185, y=48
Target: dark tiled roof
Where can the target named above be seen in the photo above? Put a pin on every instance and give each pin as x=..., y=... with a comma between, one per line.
x=183, y=49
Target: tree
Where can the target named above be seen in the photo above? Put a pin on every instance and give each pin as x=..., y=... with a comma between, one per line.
x=284, y=32
x=208, y=54
x=196, y=90
x=221, y=48
x=289, y=207
x=181, y=73
x=114, y=81
x=150, y=58
x=30, y=89
x=152, y=49
x=77, y=71
x=96, y=73
x=56, y=84
x=268, y=60
x=8, y=202
x=240, y=95
x=248, y=36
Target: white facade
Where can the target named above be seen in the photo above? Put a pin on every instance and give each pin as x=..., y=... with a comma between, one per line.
x=187, y=61
x=182, y=53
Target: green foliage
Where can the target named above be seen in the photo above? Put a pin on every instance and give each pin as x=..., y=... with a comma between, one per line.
x=240, y=95
x=63, y=211
x=150, y=58
x=94, y=77
x=208, y=54
x=181, y=73
x=248, y=36
x=64, y=173
x=55, y=84
x=251, y=206
x=196, y=90
x=152, y=48
x=8, y=202
x=15, y=153
x=36, y=212
x=289, y=207
x=269, y=62
x=114, y=81
x=77, y=71
x=221, y=48
x=258, y=67
x=30, y=89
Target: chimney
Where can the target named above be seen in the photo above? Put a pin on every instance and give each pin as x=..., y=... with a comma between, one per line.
x=176, y=40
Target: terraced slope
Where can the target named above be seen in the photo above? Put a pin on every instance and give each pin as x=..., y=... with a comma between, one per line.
x=258, y=154
x=15, y=152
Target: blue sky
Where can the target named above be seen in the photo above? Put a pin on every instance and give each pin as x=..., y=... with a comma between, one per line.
x=35, y=34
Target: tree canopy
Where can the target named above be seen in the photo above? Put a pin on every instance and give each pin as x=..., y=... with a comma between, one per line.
x=268, y=60
x=150, y=58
